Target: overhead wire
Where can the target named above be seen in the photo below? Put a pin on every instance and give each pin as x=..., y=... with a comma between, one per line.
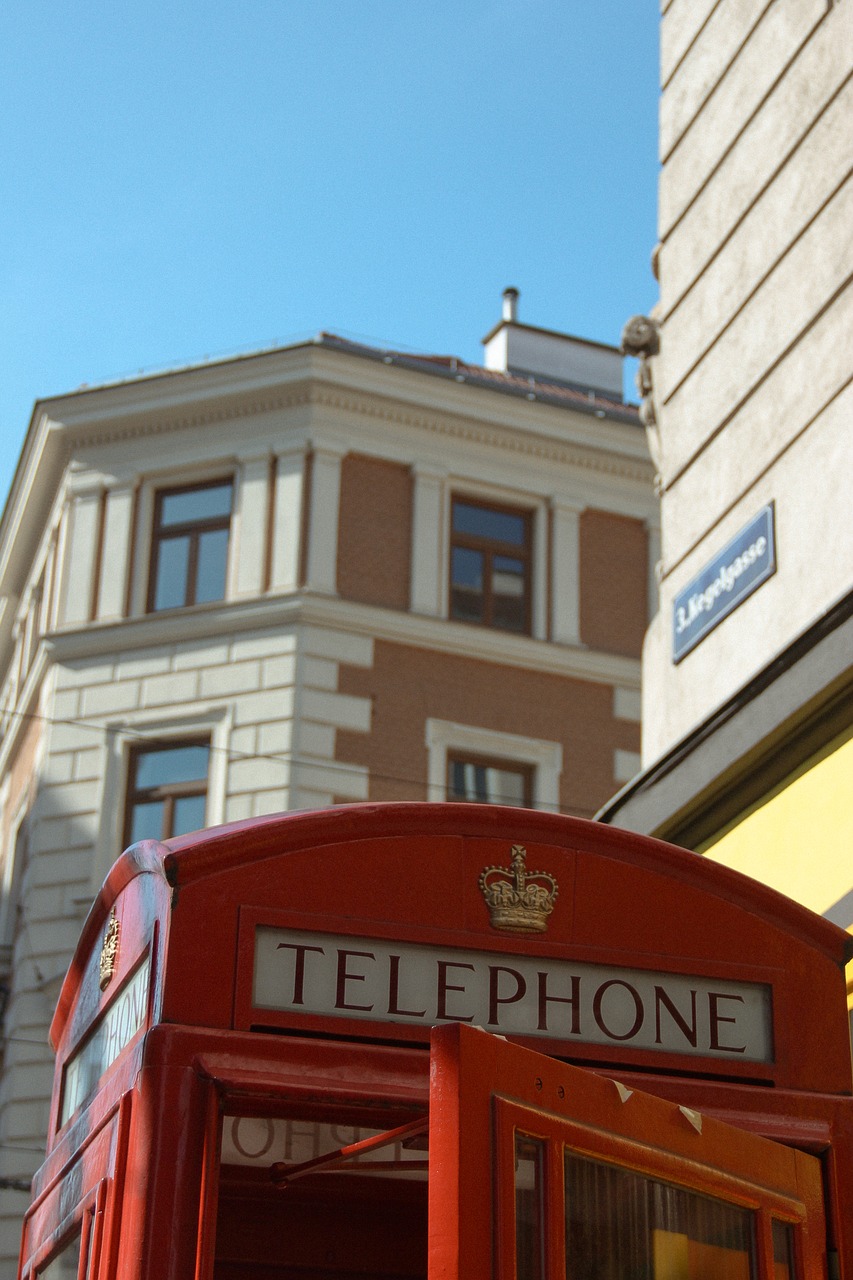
x=283, y=758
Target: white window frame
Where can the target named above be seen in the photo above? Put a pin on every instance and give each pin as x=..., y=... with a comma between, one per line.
x=538, y=511
x=433, y=504
x=120, y=737
x=142, y=533
x=545, y=758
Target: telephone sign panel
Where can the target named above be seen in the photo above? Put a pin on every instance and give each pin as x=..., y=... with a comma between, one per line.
x=404, y=983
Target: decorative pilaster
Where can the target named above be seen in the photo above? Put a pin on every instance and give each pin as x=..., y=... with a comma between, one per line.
x=323, y=523
x=287, y=520
x=565, y=571
x=251, y=523
x=115, y=551
x=81, y=553
x=429, y=543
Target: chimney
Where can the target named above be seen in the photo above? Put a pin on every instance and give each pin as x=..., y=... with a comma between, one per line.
x=510, y=307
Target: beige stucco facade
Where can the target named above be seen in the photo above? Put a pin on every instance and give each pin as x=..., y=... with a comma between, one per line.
x=329, y=670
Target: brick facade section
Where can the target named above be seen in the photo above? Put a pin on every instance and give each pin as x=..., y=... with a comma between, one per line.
x=375, y=532
x=613, y=583
x=408, y=685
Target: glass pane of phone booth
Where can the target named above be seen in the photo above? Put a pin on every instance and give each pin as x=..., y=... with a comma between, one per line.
x=525, y=1169
x=559, y=1173
x=312, y=1196
x=620, y=1223
x=301, y=1197
x=529, y=1208
x=64, y=1265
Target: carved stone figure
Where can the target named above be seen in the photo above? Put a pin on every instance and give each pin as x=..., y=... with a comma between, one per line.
x=641, y=338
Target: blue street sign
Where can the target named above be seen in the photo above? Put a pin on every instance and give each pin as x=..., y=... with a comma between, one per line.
x=734, y=573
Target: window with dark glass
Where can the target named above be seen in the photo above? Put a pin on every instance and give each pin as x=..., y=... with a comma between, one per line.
x=189, y=553
x=490, y=569
x=784, y=1265
x=167, y=790
x=621, y=1223
x=529, y=1207
x=486, y=781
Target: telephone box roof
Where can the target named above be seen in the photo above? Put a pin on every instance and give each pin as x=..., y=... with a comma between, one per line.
x=189, y=859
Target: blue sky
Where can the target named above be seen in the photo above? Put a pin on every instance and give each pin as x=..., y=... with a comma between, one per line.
x=187, y=181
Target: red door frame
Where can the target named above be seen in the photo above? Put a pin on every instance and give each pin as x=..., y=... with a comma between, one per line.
x=163, y=1164
x=483, y=1087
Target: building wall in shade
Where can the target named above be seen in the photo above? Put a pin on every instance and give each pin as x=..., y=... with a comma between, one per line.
x=749, y=396
x=752, y=384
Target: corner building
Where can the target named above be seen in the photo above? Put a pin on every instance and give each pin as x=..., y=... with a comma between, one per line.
x=315, y=575
x=747, y=675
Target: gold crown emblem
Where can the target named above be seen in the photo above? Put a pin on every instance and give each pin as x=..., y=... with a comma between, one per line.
x=519, y=900
x=109, y=951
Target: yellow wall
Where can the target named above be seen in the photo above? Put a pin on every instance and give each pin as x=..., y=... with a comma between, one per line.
x=799, y=838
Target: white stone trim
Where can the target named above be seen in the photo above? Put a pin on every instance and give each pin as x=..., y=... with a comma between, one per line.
x=140, y=408
x=565, y=571
x=429, y=542
x=119, y=736
x=218, y=620
x=323, y=519
x=545, y=757
x=115, y=553
x=625, y=764
x=627, y=705
x=539, y=585
x=287, y=520
x=249, y=518
x=80, y=562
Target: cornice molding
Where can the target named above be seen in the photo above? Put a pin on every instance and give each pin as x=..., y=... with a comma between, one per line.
x=478, y=431
x=609, y=459
x=199, y=624
x=159, y=422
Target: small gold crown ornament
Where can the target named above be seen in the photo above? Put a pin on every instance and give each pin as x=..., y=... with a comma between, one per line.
x=519, y=901
x=109, y=951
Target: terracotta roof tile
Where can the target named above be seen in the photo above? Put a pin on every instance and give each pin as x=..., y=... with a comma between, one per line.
x=543, y=389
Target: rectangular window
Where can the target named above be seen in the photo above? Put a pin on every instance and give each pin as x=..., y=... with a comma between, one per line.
x=620, y=1223
x=486, y=781
x=166, y=791
x=65, y=1264
x=784, y=1266
x=490, y=559
x=189, y=552
x=530, y=1240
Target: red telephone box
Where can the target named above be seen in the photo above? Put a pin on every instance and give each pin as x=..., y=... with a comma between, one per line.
x=445, y=1041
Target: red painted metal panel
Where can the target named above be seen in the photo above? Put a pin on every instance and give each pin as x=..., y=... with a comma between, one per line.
x=146, y=1116
x=483, y=1090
